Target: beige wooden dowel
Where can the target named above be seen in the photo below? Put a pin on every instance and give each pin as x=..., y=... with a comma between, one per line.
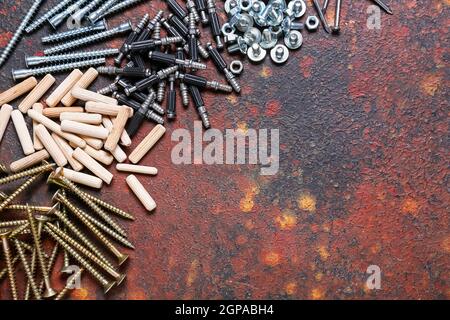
x=22, y=132
x=99, y=155
x=56, y=128
x=63, y=88
x=38, y=107
x=86, y=95
x=125, y=139
x=29, y=161
x=81, y=178
x=92, y=165
x=147, y=143
x=50, y=145
x=106, y=109
x=140, y=192
x=56, y=111
x=119, y=154
x=5, y=115
x=84, y=129
x=67, y=151
x=88, y=77
x=117, y=129
x=95, y=143
x=89, y=118
x=18, y=90
x=37, y=93
x=136, y=169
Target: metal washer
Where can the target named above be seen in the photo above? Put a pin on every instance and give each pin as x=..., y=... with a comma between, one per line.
x=236, y=67
x=276, y=56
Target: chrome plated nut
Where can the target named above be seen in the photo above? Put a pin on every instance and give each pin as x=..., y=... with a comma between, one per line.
x=279, y=54
x=312, y=23
x=236, y=67
x=228, y=29
x=246, y=5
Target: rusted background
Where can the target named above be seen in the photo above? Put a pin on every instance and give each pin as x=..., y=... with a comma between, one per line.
x=363, y=179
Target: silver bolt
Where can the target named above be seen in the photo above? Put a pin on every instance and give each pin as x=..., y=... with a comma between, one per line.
x=56, y=20
x=279, y=54
x=267, y=39
x=19, y=32
x=192, y=8
x=124, y=27
x=62, y=58
x=255, y=53
x=293, y=40
x=24, y=73
x=94, y=16
x=120, y=7
x=42, y=19
x=161, y=91
x=78, y=16
x=56, y=37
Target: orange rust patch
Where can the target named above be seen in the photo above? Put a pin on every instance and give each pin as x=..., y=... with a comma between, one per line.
x=323, y=252
x=271, y=258
x=137, y=295
x=307, y=202
x=305, y=66
x=193, y=273
x=290, y=288
x=247, y=202
x=273, y=108
x=410, y=206
x=80, y=294
x=317, y=294
x=241, y=239
x=431, y=84
x=286, y=221
x=266, y=72
x=318, y=276
x=446, y=244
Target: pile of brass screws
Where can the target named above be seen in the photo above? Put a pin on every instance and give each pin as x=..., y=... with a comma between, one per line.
x=84, y=236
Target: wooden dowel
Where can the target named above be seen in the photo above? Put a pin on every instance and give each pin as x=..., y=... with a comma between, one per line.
x=88, y=118
x=106, y=109
x=125, y=139
x=81, y=178
x=84, y=129
x=119, y=154
x=18, y=90
x=86, y=95
x=95, y=143
x=92, y=165
x=63, y=88
x=88, y=77
x=140, y=192
x=117, y=129
x=50, y=145
x=99, y=155
x=147, y=143
x=5, y=115
x=37, y=93
x=29, y=161
x=56, y=112
x=38, y=107
x=67, y=151
x=22, y=132
x=136, y=169
x=56, y=128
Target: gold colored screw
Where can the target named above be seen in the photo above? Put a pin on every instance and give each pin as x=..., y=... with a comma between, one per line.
x=6, y=251
x=124, y=241
x=76, y=211
x=80, y=235
x=55, y=180
x=86, y=252
x=25, y=185
x=28, y=272
x=66, y=259
x=26, y=173
x=19, y=230
x=12, y=223
x=50, y=264
x=107, y=285
x=75, y=190
x=23, y=207
x=68, y=286
x=4, y=271
x=3, y=195
x=49, y=292
x=3, y=168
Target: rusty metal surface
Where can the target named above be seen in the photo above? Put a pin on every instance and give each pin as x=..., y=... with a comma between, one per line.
x=363, y=177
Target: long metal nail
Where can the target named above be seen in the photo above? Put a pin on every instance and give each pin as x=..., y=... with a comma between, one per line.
x=321, y=16
x=7, y=253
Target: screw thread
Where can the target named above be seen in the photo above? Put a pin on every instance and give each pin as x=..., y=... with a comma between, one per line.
x=232, y=80
x=161, y=91
x=26, y=173
x=12, y=223
x=28, y=272
x=57, y=19
x=109, y=207
x=42, y=19
x=163, y=73
x=155, y=117
x=219, y=86
x=155, y=106
x=80, y=235
x=94, y=16
x=184, y=94
x=3, y=168
x=57, y=37
x=72, y=187
x=203, y=52
x=50, y=264
x=90, y=39
x=204, y=117
x=22, y=207
x=119, y=7
x=19, y=32
x=63, y=58
x=156, y=35
x=25, y=185
x=108, y=89
x=4, y=271
x=19, y=230
x=10, y=268
x=143, y=22
x=190, y=5
x=68, y=286
x=103, y=281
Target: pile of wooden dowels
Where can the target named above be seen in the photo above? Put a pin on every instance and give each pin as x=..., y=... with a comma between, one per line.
x=76, y=137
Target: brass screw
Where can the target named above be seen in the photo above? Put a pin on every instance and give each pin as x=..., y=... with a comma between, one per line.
x=6, y=251
x=120, y=256
x=22, y=207
x=107, y=285
x=18, y=230
x=53, y=179
x=50, y=264
x=12, y=223
x=74, y=189
x=124, y=241
x=30, y=172
x=3, y=195
x=49, y=292
x=80, y=235
x=66, y=259
x=3, y=168
x=25, y=185
x=4, y=271
x=66, y=289
x=28, y=272
x=86, y=252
